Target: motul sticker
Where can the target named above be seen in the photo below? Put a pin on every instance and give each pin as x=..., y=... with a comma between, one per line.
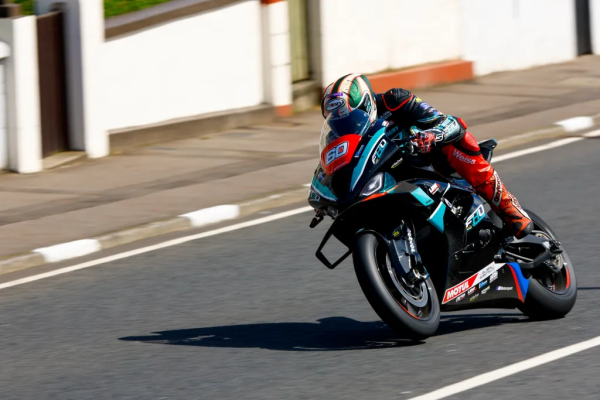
x=464, y=286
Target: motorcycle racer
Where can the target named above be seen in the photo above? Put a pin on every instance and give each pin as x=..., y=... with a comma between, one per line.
x=440, y=137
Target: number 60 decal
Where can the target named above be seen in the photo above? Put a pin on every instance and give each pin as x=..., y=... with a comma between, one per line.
x=335, y=153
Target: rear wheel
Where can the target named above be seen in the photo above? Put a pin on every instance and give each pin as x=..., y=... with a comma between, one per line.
x=551, y=294
x=413, y=311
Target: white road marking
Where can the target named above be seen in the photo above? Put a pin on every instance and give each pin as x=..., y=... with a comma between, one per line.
x=242, y=225
x=592, y=133
x=576, y=123
x=492, y=376
x=552, y=145
x=537, y=149
x=158, y=246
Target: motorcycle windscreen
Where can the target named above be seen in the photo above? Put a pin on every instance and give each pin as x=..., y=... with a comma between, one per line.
x=338, y=124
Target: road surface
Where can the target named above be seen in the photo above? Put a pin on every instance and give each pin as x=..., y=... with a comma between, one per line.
x=251, y=314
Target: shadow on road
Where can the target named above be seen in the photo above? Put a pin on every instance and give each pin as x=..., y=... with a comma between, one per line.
x=327, y=334
x=455, y=323
x=588, y=288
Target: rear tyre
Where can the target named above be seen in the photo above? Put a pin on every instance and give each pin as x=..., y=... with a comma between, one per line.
x=550, y=295
x=411, y=311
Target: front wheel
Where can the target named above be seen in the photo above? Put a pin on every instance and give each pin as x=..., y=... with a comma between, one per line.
x=551, y=295
x=413, y=311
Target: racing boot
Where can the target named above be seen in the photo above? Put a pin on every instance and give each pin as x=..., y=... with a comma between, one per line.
x=506, y=206
x=466, y=159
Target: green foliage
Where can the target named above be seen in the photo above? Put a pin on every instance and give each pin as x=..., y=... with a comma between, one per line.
x=118, y=7
x=27, y=6
x=111, y=7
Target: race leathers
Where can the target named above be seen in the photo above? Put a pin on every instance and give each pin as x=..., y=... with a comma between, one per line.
x=404, y=111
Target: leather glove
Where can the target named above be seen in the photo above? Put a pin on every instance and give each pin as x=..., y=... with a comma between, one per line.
x=424, y=141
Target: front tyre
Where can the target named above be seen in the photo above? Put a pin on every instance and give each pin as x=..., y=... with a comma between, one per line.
x=411, y=311
x=550, y=295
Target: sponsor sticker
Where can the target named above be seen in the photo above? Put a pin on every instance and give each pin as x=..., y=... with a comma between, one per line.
x=464, y=286
x=494, y=277
x=434, y=188
x=484, y=291
x=456, y=291
x=410, y=240
x=392, y=131
x=459, y=298
x=461, y=157
x=472, y=290
x=359, y=152
x=475, y=218
x=335, y=104
x=482, y=284
x=314, y=195
x=380, y=149
x=507, y=288
x=474, y=297
x=397, y=163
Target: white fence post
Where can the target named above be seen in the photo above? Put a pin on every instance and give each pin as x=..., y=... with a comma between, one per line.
x=23, y=94
x=84, y=32
x=595, y=25
x=276, y=45
x=4, y=53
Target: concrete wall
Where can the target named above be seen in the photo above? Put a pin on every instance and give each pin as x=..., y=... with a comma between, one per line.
x=204, y=63
x=376, y=35
x=500, y=35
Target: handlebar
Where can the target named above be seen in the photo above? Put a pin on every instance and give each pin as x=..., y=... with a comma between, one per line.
x=410, y=149
x=405, y=140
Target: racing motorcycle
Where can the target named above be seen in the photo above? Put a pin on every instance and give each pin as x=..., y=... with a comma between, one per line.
x=423, y=242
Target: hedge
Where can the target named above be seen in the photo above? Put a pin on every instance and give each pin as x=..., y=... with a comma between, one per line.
x=111, y=7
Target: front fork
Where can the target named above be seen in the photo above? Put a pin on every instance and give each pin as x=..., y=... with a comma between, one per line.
x=404, y=257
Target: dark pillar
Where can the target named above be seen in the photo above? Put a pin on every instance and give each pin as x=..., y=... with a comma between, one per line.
x=584, y=32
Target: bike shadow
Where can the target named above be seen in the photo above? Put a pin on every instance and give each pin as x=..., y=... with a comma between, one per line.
x=327, y=334
x=456, y=323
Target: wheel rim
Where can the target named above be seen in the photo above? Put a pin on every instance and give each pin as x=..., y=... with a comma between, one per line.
x=413, y=299
x=557, y=283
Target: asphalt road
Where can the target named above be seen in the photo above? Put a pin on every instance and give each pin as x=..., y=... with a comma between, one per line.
x=253, y=315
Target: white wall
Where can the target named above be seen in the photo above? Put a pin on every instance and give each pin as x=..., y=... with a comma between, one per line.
x=376, y=35
x=200, y=64
x=595, y=20
x=504, y=35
